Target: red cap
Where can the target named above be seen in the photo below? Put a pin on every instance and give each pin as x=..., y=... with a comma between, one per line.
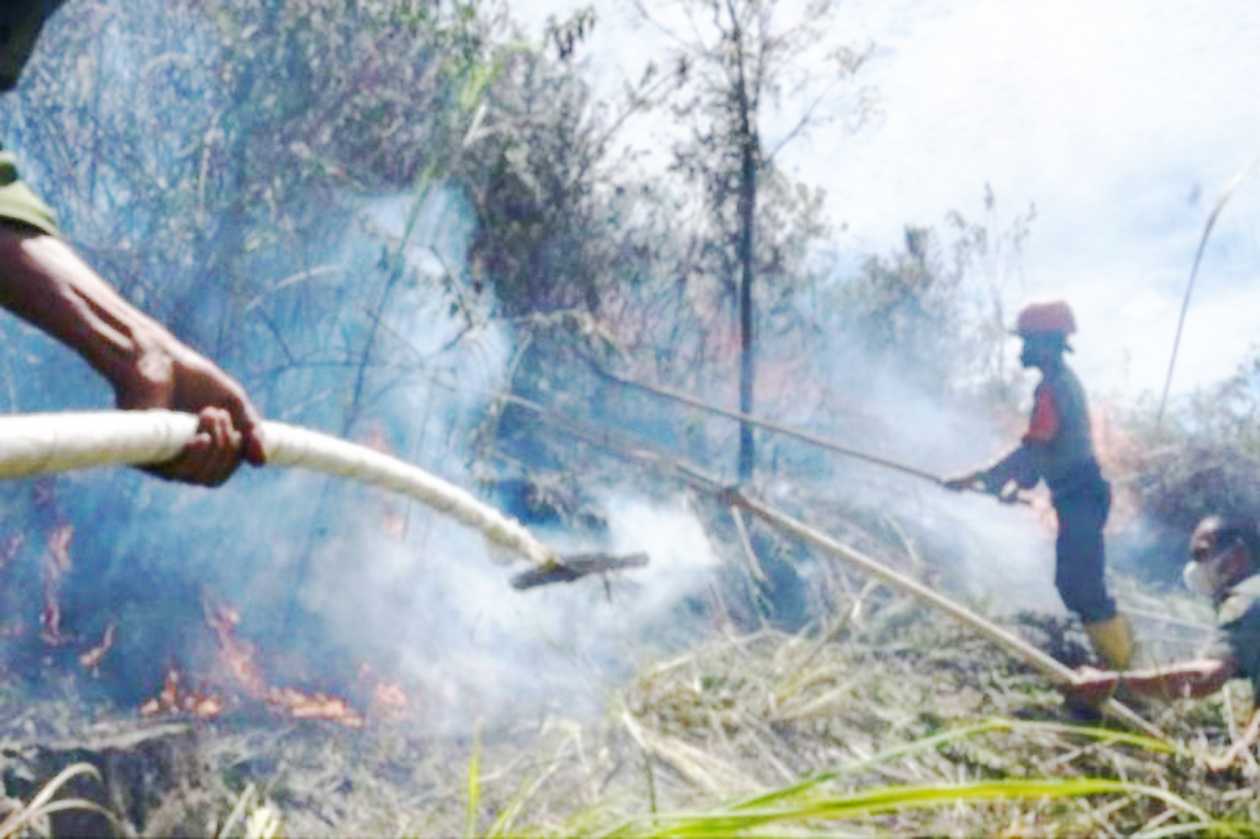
x=1051, y=316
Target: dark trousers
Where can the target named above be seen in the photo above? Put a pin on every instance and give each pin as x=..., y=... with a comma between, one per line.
x=1078, y=550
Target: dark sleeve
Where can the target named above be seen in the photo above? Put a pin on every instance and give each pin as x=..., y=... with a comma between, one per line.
x=1237, y=636
x=20, y=24
x=1018, y=466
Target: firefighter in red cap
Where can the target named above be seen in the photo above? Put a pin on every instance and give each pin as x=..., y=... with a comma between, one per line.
x=1058, y=449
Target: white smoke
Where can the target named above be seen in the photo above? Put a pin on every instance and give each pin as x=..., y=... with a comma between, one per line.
x=418, y=596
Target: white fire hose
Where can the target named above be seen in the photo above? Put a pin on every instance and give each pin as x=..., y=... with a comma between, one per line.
x=41, y=444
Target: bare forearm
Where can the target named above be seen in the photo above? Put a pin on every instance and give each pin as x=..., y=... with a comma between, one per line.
x=44, y=282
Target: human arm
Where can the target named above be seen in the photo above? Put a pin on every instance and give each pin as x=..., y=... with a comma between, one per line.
x=1193, y=679
x=1013, y=472
x=43, y=281
x=1017, y=466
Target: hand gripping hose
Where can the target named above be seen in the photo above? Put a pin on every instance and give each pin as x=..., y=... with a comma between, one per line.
x=40, y=444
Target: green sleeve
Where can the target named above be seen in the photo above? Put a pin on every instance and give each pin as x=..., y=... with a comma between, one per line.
x=20, y=25
x=18, y=203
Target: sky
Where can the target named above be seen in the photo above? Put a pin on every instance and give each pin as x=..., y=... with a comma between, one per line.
x=1123, y=123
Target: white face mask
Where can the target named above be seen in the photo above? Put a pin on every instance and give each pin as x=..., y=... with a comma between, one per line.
x=1200, y=577
x=1207, y=576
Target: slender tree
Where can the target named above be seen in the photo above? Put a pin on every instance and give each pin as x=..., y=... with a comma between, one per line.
x=758, y=74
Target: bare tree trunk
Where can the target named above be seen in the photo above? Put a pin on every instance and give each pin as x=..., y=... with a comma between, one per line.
x=749, y=154
x=747, y=366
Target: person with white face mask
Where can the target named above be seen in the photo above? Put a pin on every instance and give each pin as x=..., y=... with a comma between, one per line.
x=1223, y=556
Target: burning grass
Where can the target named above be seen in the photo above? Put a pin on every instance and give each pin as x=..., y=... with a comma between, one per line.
x=881, y=718
x=884, y=720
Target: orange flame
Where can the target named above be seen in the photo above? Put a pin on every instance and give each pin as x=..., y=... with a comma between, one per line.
x=175, y=699
x=239, y=666
x=237, y=674
x=388, y=698
x=91, y=660
x=237, y=657
x=1120, y=455
x=313, y=706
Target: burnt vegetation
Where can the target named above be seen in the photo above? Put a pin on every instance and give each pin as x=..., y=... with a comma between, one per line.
x=411, y=224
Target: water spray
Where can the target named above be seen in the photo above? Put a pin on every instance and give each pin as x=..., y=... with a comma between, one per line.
x=41, y=444
x=736, y=499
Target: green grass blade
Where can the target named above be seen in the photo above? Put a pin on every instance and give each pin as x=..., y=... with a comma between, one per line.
x=920, y=745
x=40, y=805
x=474, y=790
x=1106, y=735
x=803, y=788
x=885, y=799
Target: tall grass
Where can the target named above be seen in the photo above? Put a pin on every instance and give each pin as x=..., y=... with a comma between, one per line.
x=31, y=815
x=808, y=808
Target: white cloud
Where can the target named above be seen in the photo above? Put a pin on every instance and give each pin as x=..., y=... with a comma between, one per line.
x=1109, y=117
x=1121, y=121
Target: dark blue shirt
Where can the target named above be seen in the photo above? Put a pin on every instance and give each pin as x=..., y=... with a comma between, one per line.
x=1238, y=629
x=20, y=23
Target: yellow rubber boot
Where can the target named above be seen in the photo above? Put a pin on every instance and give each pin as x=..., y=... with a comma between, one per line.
x=1113, y=640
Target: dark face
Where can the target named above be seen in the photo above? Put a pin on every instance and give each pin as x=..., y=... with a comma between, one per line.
x=1040, y=350
x=1229, y=555
x=1203, y=541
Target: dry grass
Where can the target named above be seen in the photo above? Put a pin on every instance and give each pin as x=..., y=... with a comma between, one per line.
x=900, y=723
x=884, y=718
x=32, y=816
x=903, y=725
